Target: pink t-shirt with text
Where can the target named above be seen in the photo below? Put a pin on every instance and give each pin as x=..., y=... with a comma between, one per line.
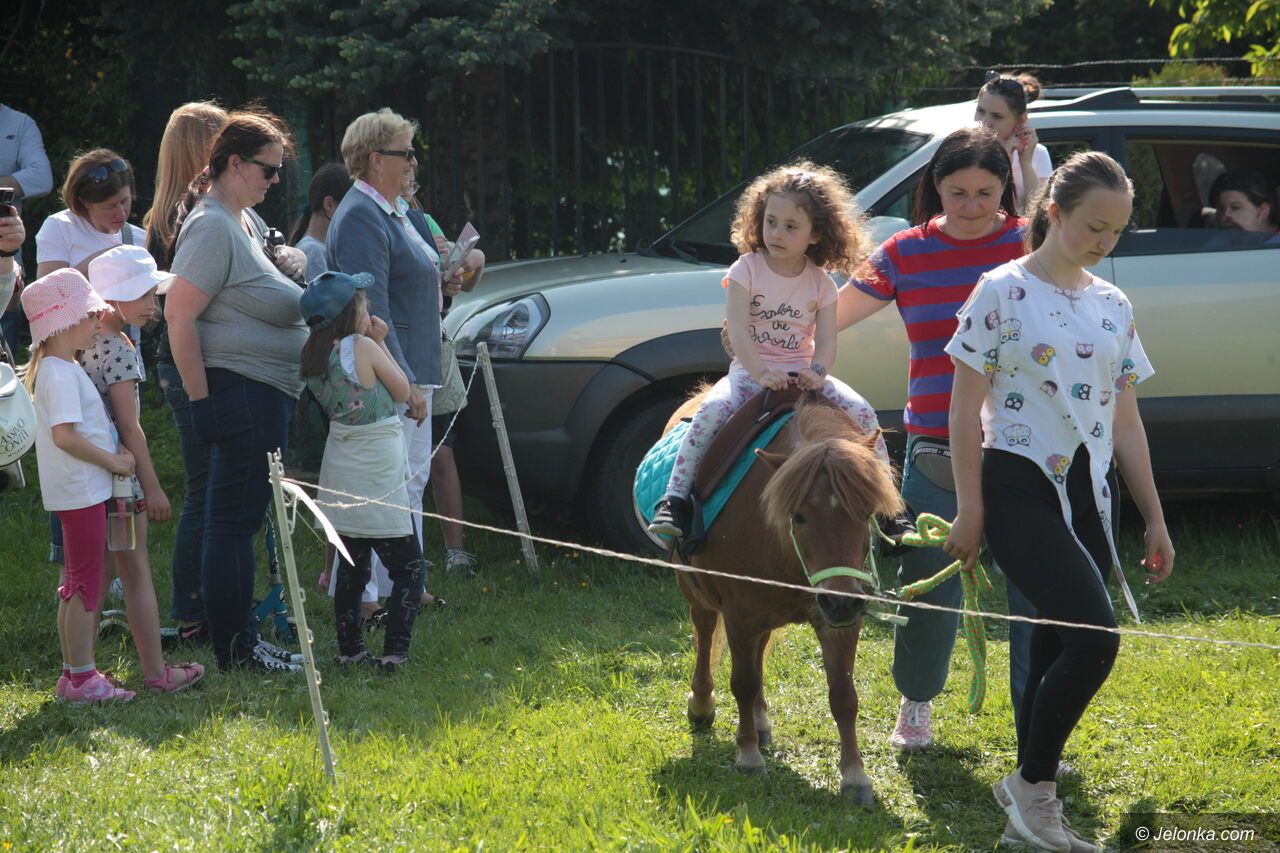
x=782, y=310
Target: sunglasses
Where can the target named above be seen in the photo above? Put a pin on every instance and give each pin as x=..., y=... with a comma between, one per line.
x=98, y=174
x=268, y=171
x=407, y=153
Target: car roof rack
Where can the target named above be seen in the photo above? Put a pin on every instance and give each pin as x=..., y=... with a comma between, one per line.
x=1135, y=97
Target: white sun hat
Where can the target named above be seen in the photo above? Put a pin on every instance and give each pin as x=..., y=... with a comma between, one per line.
x=126, y=273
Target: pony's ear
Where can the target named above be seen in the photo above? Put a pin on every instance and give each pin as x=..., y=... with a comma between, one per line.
x=773, y=460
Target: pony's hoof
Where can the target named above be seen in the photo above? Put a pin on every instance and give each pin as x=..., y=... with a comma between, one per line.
x=702, y=722
x=764, y=736
x=861, y=795
x=750, y=764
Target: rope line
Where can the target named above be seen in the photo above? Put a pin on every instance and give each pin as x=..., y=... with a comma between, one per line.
x=652, y=561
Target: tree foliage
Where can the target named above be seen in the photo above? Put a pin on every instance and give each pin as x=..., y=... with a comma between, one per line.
x=1208, y=22
x=350, y=48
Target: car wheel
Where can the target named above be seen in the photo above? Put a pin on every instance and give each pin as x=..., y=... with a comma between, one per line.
x=610, y=510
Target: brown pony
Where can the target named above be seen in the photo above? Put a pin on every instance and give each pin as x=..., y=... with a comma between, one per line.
x=821, y=481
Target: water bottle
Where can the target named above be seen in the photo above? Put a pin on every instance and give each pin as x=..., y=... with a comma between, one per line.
x=121, y=535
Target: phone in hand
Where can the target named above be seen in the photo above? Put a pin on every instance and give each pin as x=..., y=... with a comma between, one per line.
x=6, y=202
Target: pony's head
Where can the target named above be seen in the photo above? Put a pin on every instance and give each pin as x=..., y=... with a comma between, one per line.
x=823, y=494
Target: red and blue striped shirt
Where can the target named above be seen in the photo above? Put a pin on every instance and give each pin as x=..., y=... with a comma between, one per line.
x=930, y=276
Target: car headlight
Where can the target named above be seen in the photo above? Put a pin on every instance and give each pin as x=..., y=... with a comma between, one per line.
x=507, y=328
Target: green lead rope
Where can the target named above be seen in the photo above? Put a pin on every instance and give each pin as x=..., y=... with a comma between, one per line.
x=931, y=532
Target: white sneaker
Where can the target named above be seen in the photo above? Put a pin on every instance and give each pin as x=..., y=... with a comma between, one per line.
x=458, y=560
x=915, y=726
x=115, y=592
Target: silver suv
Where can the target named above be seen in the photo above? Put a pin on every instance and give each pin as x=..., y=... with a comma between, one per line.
x=593, y=353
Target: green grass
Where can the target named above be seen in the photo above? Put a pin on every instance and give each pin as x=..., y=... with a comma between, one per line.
x=548, y=712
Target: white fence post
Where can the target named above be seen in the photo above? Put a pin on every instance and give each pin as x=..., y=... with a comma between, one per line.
x=508, y=463
x=300, y=614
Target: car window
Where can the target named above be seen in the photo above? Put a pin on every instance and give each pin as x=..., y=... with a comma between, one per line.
x=861, y=154
x=1172, y=172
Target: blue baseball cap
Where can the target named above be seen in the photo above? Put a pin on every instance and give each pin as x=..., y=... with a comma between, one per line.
x=328, y=295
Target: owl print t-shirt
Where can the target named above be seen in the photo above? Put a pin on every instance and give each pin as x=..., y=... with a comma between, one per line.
x=1056, y=360
x=782, y=310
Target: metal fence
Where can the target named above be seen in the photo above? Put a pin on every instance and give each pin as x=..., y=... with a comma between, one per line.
x=603, y=147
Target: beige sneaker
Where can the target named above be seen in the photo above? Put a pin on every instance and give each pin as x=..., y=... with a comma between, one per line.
x=1078, y=844
x=1034, y=812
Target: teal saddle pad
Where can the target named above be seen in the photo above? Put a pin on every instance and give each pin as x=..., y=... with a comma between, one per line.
x=655, y=470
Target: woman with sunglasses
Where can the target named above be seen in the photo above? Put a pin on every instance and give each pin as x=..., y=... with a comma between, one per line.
x=99, y=193
x=236, y=338
x=372, y=232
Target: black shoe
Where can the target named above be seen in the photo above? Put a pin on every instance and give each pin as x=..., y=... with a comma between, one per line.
x=195, y=634
x=895, y=529
x=670, y=518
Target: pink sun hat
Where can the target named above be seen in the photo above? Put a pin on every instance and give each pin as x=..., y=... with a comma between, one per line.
x=57, y=302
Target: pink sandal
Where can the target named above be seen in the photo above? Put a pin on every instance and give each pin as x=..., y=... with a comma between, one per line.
x=193, y=671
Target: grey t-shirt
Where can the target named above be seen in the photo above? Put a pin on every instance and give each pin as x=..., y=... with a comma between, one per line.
x=314, y=250
x=252, y=324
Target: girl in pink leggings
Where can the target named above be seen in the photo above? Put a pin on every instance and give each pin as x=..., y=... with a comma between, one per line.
x=792, y=225
x=77, y=452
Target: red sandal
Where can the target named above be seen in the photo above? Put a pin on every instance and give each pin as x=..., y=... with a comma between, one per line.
x=193, y=671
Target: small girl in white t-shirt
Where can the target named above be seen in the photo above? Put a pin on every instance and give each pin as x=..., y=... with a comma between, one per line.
x=792, y=224
x=127, y=279
x=77, y=454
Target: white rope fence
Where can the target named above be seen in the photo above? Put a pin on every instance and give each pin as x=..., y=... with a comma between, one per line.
x=356, y=500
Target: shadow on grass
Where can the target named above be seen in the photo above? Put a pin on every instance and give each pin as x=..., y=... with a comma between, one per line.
x=782, y=802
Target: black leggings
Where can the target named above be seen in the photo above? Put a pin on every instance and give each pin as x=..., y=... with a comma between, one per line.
x=1030, y=540
x=408, y=572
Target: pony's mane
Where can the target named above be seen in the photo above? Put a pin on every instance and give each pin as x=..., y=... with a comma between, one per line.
x=827, y=443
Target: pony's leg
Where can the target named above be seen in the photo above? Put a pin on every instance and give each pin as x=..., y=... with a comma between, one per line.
x=839, y=645
x=702, y=696
x=744, y=646
x=760, y=711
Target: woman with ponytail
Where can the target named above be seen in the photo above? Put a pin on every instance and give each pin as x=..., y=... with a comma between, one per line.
x=1002, y=109
x=1032, y=480
x=236, y=337
x=184, y=151
x=329, y=184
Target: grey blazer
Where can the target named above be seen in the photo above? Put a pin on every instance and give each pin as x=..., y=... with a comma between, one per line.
x=406, y=284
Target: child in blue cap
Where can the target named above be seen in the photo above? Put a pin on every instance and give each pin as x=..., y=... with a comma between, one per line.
x=346, y=365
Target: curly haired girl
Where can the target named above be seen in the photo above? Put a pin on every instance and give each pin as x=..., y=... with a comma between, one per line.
x=792, y=225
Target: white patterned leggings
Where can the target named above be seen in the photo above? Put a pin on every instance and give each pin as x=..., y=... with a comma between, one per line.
x=727, y=396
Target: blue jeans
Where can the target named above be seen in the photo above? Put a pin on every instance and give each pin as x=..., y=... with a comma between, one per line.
x=241, y=421
x=187, y=604
x=10, y=326
x=922, y=648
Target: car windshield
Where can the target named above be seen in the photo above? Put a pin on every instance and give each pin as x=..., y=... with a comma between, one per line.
x=861, y=154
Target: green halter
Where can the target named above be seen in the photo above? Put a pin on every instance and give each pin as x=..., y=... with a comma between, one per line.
x=835, y=571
